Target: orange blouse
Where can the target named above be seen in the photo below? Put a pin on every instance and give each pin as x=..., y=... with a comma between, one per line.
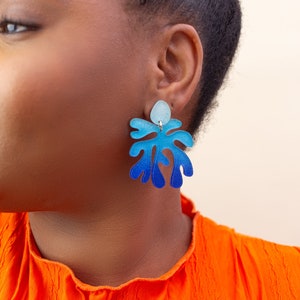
x=219, y=264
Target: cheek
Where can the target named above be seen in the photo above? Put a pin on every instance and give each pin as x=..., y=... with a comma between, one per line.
x=58, y=96
x=33, y=100
x=64, y=110
x=53, y=125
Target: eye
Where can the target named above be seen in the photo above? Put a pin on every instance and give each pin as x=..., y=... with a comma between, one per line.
x=10, y=27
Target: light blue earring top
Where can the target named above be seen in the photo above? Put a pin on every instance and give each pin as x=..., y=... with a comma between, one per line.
x=166, y=134
x=160, y=113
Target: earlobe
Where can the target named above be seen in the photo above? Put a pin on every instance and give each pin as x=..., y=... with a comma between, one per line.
x=180, y=63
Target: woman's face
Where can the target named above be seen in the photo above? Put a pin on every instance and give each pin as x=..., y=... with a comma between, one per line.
x=72, y=75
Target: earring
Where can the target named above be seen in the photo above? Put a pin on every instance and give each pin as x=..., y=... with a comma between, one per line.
x=166, y=134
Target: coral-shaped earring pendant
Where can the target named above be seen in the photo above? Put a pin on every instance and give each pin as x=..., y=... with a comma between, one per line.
x=167, y=134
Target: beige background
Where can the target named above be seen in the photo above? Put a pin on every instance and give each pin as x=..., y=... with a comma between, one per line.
x=247, y=162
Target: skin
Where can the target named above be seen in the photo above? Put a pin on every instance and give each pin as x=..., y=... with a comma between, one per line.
x=68, y=89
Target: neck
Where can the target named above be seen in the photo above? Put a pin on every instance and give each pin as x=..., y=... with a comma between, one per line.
x=123, y=235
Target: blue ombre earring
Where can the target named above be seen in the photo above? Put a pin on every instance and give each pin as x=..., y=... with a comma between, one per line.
x=164, y=128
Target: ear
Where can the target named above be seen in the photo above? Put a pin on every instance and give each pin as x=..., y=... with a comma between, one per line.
x=178, y=67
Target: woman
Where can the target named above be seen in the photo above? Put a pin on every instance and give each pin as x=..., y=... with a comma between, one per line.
x=76, y=78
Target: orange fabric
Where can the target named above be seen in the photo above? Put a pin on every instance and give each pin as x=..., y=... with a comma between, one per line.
x=220, y=264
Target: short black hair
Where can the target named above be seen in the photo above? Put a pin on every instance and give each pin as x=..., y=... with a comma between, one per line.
x=218, y=23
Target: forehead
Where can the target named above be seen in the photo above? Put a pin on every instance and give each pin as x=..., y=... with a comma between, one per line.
x=100, y=7
x=32, y=2
x=35, y=3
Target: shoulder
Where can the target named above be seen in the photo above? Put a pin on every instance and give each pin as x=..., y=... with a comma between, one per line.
x=12, y=231
x=10, y=222
x=262, y=269
x=278, y=266
x=12, y=244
